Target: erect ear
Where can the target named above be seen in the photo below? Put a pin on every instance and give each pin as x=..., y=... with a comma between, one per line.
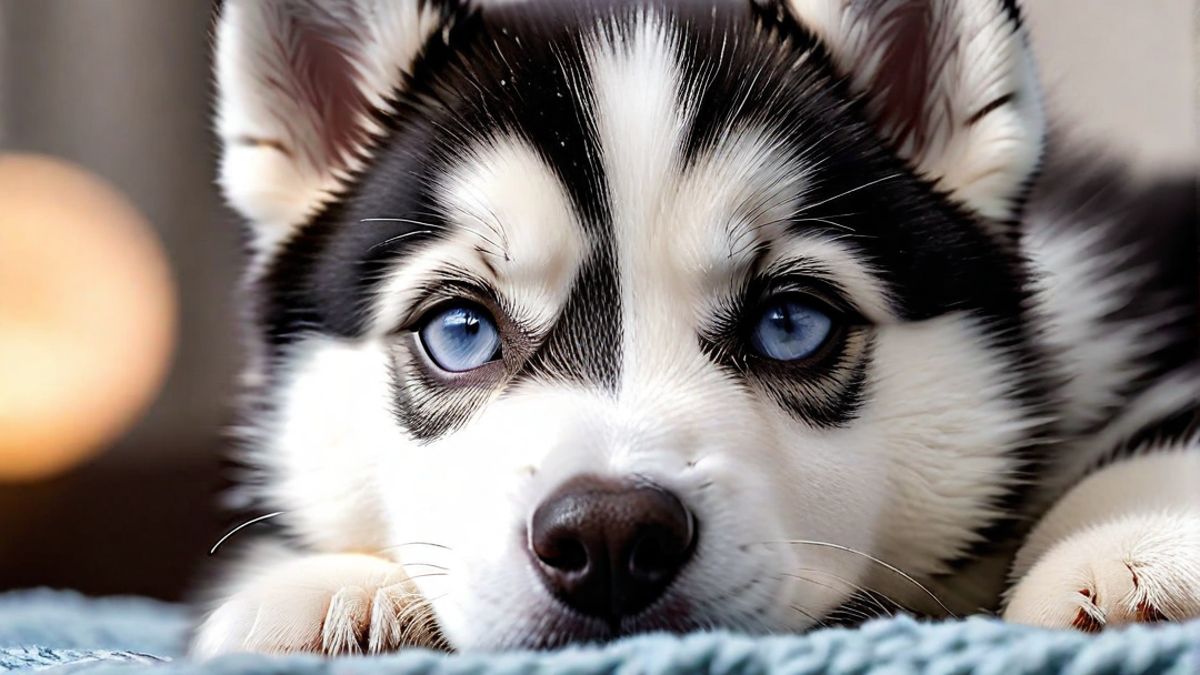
x=297, y=83
x=950, y=82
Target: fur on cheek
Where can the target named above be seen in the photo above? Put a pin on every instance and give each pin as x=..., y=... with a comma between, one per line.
x=323, y=444
x=943, y=410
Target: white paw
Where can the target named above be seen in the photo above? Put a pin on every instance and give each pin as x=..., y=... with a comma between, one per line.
x=330, y=604
x=1137, y=569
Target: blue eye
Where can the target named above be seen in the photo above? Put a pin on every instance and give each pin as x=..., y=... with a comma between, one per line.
x=789, y=330
x=461, y=338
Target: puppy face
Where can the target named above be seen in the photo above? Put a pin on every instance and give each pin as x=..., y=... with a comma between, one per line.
x=609, y=319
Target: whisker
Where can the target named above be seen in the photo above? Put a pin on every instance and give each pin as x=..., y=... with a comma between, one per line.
x=809, y=207
x=810, y=616
x=494, y=227
x=850, y=616
x=415, y=543
x=826, y=221
x=863, y=591
x=877, y=561
x=239, y=528
x=397, y=238
x=854, y=613
x=428, y=575
x=420, y=564
x=422, y=223
x=737, y=247
x=432, y=227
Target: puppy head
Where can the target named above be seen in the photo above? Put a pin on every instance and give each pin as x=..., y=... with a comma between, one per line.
x=607, y=318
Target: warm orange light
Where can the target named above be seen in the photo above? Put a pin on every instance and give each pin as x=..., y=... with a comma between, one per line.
x=87, y=315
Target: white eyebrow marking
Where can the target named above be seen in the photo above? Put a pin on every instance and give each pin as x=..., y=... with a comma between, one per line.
x=824, y=257
x=510, y=222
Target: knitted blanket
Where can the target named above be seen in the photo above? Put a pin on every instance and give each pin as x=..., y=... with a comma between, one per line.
x=129, y=636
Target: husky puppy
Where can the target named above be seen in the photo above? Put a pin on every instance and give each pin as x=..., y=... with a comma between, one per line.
x=574, y=320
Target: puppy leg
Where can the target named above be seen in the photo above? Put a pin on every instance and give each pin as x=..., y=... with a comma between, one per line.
x=328, y=604
x=1121, y=547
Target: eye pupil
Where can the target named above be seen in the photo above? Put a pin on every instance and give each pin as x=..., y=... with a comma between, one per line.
x=783, y=321
x=790, y=330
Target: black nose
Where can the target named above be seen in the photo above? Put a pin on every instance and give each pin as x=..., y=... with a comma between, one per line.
x=608, y=550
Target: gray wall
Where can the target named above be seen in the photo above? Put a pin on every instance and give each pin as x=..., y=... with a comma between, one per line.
x=1123, y=71
x=121, y=86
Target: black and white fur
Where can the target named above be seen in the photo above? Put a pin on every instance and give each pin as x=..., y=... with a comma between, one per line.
x=621, y=184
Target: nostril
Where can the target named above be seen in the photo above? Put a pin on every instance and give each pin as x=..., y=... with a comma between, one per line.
x=660, y=550
x=655, y=557
x=565, y=554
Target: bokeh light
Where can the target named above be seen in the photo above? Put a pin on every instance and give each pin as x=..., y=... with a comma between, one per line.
x=87, y=315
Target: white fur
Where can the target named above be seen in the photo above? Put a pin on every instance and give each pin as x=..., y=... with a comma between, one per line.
x=834, y=261
x=1077, y=293
x=1123, y=546
x=502, y=184
x=979, y=56
x=326, y=473
x=1175, y=392
x=942, y=417
x=331, y=603
x=274, y=168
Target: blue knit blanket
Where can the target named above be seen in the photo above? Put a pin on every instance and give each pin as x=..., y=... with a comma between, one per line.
x=129, y=636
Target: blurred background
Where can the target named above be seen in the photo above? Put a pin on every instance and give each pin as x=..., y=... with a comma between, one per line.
x=122, y=89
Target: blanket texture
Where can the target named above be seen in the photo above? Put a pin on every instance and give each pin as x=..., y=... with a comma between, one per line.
x=134, y=637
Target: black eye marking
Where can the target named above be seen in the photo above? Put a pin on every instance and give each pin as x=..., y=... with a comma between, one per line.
x=815, y=369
